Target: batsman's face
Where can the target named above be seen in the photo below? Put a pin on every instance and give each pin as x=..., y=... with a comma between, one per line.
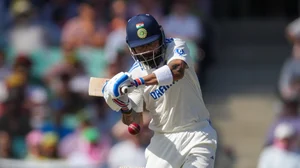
x=149, y=55
x=146, y=50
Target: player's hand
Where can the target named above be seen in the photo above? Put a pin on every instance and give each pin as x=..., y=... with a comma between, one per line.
x=123, y=102
x=117, y=104
x=115, y=84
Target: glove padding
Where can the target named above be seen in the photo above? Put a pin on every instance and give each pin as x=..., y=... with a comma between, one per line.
x=117, y=104
x=114, y=85
x=112, y=92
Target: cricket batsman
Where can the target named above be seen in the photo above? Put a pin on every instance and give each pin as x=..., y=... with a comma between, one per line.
x=163, y=83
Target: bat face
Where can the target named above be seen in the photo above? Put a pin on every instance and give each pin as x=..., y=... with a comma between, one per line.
x=96, y=86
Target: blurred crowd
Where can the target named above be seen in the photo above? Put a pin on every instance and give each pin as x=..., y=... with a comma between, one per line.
x=48, y=51
x=282, y=146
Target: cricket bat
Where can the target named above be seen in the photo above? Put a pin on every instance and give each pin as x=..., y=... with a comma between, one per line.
x=96, y=86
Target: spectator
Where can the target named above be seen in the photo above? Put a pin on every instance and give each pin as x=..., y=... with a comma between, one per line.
x=293, y=30
x=4, y=69
x=101, y=116
x=3, y=96
x=152, y=7
x=84, y=30
x=26, y=36
x=80, y=79
x=33, y=141
x=4, y=72
x=65, y=105
x=36, y=97
x=66, y=65
x=192, y=29
x=289, y=83
x=48, y=147
x=281, y=153
x=67, y=8
x=16, y=121
x=116, y=50
x=69, y=143
x=54, y=15
x=4, y=16
x=288, y=114
x=4, y=24
x=38, y=104
x=17, y=83
x=91, y=148
x=180, y=16
x=119, y=9
x=23, y=102
x=5, y=145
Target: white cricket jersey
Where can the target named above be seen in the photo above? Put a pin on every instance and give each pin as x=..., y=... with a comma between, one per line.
x=176, y=107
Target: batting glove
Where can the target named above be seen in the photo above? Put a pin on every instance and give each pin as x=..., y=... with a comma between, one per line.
x=121, y=103
x=124, y=103
x=116, y=83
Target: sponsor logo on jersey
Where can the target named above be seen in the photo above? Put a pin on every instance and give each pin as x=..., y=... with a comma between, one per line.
x=160, y=91
x=179, y=51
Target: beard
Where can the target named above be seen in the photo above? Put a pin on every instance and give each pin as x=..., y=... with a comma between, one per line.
x=152, y=59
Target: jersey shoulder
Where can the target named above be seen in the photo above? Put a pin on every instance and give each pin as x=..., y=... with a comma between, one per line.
x=178, y=49
x=175, y=46
x=135, y=70
x=172, y=43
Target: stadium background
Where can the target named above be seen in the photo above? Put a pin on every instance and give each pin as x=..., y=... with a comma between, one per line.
x=49, y=49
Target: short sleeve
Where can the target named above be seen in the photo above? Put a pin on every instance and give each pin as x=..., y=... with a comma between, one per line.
x=179, y=50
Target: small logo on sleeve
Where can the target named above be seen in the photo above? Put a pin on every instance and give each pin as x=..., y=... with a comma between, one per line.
x=179, y=51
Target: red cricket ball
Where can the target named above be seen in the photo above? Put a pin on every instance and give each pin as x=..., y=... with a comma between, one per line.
x=134, y=128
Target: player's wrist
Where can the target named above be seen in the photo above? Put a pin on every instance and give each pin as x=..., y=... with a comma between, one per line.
x=138, y=81
x=126, y=111
x=164, y=75
x=127, y=118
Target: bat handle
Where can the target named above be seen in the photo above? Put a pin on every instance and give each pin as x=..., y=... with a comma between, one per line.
x=124, y=89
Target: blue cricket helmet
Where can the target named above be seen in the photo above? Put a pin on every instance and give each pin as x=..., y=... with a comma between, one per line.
x=141, y=30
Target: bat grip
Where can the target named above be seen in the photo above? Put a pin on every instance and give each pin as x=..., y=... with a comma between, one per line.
x=124, y=89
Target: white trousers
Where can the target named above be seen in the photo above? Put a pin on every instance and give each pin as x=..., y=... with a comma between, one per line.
x=190, y=149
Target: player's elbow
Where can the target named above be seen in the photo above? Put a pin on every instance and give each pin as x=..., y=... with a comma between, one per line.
x=177, y=68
